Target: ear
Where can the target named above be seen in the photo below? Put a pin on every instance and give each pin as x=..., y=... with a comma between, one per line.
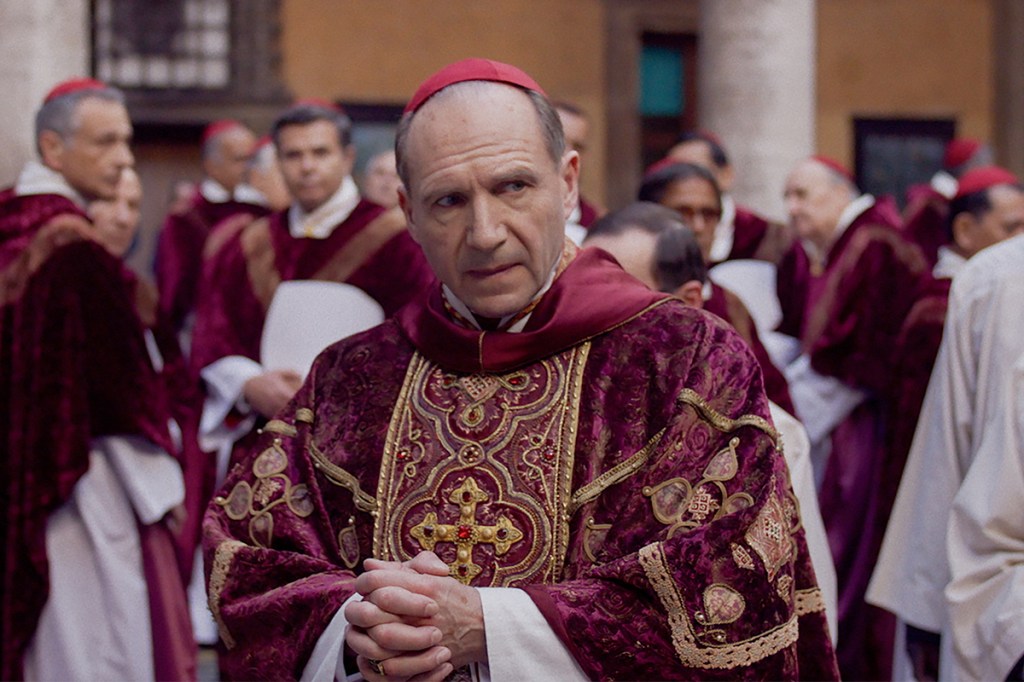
x=691, y=293
x=570, y=174
x=51, y=148
x=726, y=176
x=963, y=232
x=348, y=158
x=406, y=206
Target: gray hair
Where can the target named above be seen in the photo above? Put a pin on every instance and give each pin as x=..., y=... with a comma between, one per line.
x=547, y=116
x=58, y=115
x=304, y=114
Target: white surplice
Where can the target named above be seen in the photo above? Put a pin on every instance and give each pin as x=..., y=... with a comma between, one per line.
x=985, y=596
x=983, y=335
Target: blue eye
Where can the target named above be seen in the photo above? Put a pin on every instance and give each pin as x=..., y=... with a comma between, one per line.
x=448, y=201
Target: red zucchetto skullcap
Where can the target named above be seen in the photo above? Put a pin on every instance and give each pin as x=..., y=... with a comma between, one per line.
x=74, y=85
x=474, y=69
x=834, y=165
x=978, y=179
x=660, y=164
x=219, y=127
x=959, y=151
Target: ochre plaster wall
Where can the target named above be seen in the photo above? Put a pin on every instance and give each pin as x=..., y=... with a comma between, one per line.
x=378, y=51
x=902, y=58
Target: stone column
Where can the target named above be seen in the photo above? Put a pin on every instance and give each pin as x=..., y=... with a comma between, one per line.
x=756, y=71
x=41, y=43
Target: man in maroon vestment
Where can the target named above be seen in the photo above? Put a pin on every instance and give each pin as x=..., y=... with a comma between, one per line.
x=227, y=146
x=692, y=191
x=90, y=586
x=539, y=465
x=927, y=208
x=857, y=277
x=987, y=208
x=576, y=127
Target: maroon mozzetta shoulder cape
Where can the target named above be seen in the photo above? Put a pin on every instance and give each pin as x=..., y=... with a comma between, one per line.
x=179, y=252
x=758, y=238
x=371, y=249
x=615, y=461
x=73, y=367
x=924, y=220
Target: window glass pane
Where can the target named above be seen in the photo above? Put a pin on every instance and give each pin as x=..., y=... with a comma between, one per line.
x=661, y=82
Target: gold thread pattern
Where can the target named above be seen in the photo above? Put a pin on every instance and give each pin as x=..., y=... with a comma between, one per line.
x=338, y=476
x=717, y=656
x=218, y=577
x=616, y=474
x=723, y=423
x=304, y=415
x=279, y=427
x=809, y=601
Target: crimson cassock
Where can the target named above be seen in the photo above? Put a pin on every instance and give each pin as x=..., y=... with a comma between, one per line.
x=730, y=308
x=925, y=220
x=615, y=460
x=73, y=367
x=179, y=252
x=757, y=238
x=371, y=249
x=854, y=310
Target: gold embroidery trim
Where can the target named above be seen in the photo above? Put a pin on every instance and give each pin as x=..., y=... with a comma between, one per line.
x=304, y=415
x=335, y=474
x=723, y=423
x=616, y=474
x=278, y=426
x=809, y=601
x=218, y=576
x=725, y=656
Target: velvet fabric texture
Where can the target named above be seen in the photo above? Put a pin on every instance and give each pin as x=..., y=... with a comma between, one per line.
x=179, y=252
x=615, y=460
x=73, y=367
x=758, y=238
x=855, y=310
x=241, y=274
x=924, y=220
x=730, y=308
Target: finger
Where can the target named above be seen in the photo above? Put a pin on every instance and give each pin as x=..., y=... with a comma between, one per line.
x=419, y=663
x=405, y=637
x=409, y=580
x=369, y=674
x=401, y=602
x=364, y=645
x=430, y=564
x=437, y=675
x=366, y=614
x=377, y=564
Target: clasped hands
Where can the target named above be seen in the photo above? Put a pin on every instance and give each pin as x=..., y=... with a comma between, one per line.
x=414, y=621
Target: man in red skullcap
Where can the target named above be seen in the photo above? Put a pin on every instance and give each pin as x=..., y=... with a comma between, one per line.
x=740, y=233
x=227, y=146
x=538, y=469
x=927, y=205
x=988, y=208
x=91, y=585
x=845, y=292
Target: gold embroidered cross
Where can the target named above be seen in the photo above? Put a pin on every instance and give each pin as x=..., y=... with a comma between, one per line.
x=466, y=534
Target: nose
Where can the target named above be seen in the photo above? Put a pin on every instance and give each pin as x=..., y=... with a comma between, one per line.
x=487, y=229
x=124, y=156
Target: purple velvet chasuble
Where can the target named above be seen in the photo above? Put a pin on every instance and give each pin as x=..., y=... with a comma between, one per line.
x=615, y=460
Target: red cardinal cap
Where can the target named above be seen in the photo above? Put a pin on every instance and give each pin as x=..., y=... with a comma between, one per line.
x=474, y=69
x=74, y=85
x=959, y=151
x=978, y=179
x=831, y=163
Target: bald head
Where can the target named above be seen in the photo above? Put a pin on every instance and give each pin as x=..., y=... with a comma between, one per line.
x=226, y=154
x=815, y=197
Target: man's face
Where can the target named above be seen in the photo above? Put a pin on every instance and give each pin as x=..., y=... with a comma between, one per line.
x=227, y=164
x=117, y=220
x=697, y=203
x=313, y=162
x=1004, y=220
x=381, y=181
x=814, y=202
x=485, y=199
x=92, y=158
x=576, y=129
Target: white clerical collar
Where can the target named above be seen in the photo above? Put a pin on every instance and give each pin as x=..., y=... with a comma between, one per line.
x=949, y=263
x=35, y=178
x=321, y=221
x=250, y=195
x=945, y=184
x=463, y=310
x=707, y=290
x=213, y=191
x=725, y=231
